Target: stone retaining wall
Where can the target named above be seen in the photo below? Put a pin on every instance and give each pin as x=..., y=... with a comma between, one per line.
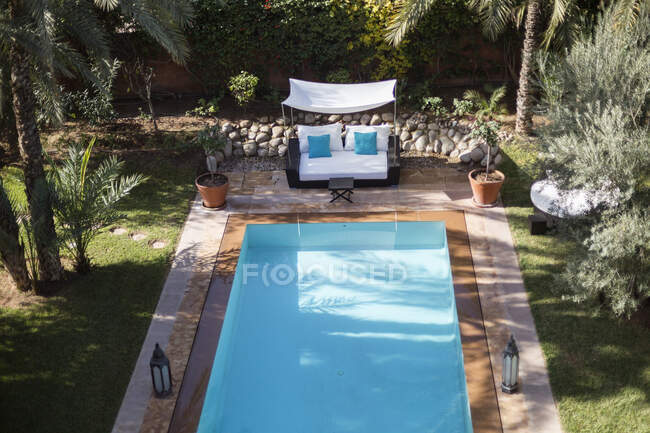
x=420, y=133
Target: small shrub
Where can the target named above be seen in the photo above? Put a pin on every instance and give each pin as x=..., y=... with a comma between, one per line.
x=489, y=108
x=93, y=104
x=488, y=132
x=242, y=87
x=434, y=105
x=463, y=107
x=341, y=76
x=205, y=108
x=211, y=140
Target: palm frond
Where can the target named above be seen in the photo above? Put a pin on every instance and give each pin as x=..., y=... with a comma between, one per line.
x=406, y=17
x=497, y=96
x=474, y=96
x=166, y=32
x=45, y=27
x=563, y=27
x=107, y=5
x=495, y=15
x=48, y=95
x=626, y=12
x=78, y=18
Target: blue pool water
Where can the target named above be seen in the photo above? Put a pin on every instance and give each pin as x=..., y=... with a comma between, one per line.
x=340, y=327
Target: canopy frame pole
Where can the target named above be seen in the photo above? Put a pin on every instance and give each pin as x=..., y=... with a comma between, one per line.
x=292, y=117
x=284, y=119
x=395, y=111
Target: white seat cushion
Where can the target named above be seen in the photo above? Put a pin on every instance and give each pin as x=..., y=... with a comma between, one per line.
x=344, y=164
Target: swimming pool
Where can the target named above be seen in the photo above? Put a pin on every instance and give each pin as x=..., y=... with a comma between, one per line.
x=340, y=327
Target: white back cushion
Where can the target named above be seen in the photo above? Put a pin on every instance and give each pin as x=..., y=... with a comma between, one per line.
x=334, y=130
x=383, y=131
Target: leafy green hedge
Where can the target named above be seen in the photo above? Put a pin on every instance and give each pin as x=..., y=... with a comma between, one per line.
x=317, y=37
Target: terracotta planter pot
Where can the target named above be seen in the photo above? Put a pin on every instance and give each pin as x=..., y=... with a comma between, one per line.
x=485, y=193
x=213, y=196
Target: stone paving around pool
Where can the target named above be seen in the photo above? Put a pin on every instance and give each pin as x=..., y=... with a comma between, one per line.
x=503, y=298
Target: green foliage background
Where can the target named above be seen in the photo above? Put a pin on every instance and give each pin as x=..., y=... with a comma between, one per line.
x=318, y=36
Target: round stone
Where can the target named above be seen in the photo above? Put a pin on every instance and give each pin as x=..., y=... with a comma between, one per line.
x=465, y=156
x=365, y=119
x=227, y=149
x=246, y=123
x=447, y=145
x=250, y=148
x=437, y=145
x=421, y=143
x=277, y=131
x=476, y=154
x=227, y=127
x=282, y=150
x=376, y=119
x=334, y=118
x=261, y=137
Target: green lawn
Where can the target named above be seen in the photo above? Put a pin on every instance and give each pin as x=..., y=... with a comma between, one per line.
x=64, y=364
x=599, y=366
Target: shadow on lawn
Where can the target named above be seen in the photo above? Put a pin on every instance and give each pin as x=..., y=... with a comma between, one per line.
x=70, y=358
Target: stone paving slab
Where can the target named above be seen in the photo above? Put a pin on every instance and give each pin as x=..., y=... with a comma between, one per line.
x=503, y=297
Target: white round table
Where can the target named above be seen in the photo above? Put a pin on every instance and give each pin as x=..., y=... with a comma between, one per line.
x=549, y=199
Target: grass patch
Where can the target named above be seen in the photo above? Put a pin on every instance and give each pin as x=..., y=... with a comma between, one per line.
x=599, y=366
x=65, y=362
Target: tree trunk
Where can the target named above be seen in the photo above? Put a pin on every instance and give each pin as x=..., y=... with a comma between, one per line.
x=31, y=152
x=524, y=96
x=7, y=121
x=11, y=250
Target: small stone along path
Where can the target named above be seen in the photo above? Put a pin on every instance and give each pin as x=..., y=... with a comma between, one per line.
x=503, y=299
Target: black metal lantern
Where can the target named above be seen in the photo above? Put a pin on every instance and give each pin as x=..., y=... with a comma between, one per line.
x=161, y=375
x=510, y=369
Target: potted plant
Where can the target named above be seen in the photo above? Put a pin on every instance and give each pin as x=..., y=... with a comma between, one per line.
x=212, y=186
x=486, y=183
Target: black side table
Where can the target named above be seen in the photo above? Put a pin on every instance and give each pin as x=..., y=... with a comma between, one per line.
x=341, y=187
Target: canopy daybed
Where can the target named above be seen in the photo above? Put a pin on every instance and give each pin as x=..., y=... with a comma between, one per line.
x=381, y=169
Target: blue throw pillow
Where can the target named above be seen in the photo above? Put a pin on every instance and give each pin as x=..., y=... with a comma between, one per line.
x=319, y=146
x=365, y=143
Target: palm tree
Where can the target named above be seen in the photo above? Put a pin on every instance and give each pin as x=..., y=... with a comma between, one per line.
x=12, y=252
x=43, y=39
x=496, y=15
x=84, y=199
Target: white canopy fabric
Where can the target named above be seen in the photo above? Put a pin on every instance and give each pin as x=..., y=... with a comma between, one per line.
x=339, y=98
